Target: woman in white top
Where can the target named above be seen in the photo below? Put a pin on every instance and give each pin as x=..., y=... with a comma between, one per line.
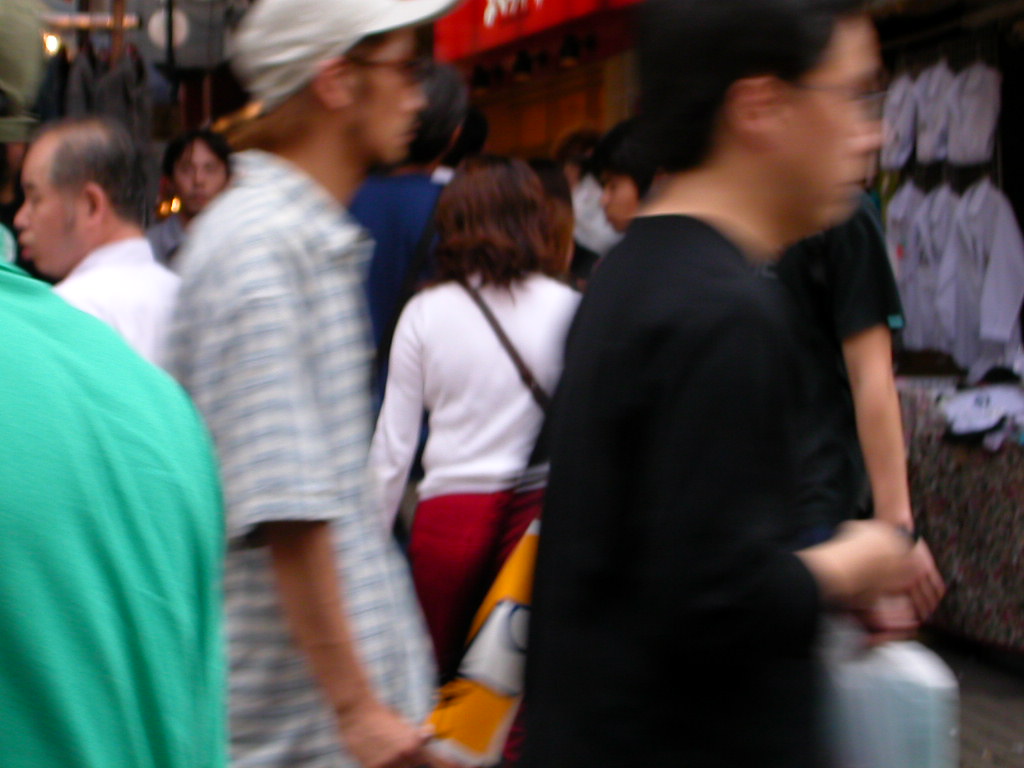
x=497, y=235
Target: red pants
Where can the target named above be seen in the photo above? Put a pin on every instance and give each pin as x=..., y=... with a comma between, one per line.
x=457, y=546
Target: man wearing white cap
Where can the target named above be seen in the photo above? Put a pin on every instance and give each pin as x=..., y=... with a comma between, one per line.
x=329, y=662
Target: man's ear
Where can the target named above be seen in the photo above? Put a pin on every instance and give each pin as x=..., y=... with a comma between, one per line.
x=93, y=201
x=334, y=85
x=754, y=111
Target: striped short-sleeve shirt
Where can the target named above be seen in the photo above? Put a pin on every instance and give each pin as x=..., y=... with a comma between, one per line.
x=271, y=339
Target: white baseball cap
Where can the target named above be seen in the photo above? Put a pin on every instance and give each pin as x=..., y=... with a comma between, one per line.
x=280, y=43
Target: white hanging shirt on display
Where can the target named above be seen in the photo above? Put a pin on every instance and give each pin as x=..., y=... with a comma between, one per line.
x=926, y=248
x=981, y=281
x=934, y=89
x=900, y=120
x=974, y=114
x=899, y=216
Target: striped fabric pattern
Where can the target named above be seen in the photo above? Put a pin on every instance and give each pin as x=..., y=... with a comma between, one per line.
x=271, y=339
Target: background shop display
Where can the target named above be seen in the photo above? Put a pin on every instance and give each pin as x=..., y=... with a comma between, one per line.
x=540, y=70
x=953, y=191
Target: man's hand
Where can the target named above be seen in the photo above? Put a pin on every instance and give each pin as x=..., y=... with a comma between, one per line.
x=863, y=561
x=890, y=618
x=378, y=738
x=308, y=583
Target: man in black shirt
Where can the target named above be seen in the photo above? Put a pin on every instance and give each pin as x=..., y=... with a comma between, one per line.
x=842, y=286
x=673, y=623
x=853, y=457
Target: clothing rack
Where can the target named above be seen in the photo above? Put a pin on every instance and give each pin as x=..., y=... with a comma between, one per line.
x=88, y=21
x=117, y=34
x=960, y=46
x=951, y=25
x=85, y=21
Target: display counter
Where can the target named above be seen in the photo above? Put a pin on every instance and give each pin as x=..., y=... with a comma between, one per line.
x=969, y=505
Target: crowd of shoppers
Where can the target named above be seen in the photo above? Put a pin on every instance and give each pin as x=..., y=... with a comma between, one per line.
x=708, y=454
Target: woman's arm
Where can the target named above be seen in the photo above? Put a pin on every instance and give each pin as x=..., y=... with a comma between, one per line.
x=398, y=426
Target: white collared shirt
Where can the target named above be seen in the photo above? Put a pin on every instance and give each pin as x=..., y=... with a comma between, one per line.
x=928, y=245
x=934, y=87
x=124, y=286
x=974, y=114
x=899, y=219
x=980, y=288
x=900, y=123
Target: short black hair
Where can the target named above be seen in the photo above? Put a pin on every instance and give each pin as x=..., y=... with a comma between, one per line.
x=447, y=103
x=177, y=146
x=552, y=178
x=618, y=153
x=691, y=52
x=101, y=151
x=577, y=148
x=472, y=138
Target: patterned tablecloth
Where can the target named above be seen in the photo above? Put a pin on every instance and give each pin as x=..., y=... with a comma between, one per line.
x=969, y=504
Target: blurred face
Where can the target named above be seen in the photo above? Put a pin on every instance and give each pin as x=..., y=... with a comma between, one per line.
x=47, y=223
x=390, y=99
x=620, y=198
x=199, y=176
x=835, y=129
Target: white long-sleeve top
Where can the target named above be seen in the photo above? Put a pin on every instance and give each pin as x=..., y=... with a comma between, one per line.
x=934, y=88
x=124, y=286
x=974, y=114
x=919, y=275
x=900, y=122
x=899, y=217
x=981, y=281
x=447, y=360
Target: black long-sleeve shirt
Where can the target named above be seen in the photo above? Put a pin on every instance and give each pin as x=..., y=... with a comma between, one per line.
x=672, y=625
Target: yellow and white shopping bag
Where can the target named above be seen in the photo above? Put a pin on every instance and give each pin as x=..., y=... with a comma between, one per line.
x=475, y=710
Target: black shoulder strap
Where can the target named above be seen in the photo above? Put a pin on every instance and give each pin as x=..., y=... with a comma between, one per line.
x=542, y=398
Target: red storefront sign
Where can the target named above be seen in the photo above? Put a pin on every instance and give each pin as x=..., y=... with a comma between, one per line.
x=480, y=25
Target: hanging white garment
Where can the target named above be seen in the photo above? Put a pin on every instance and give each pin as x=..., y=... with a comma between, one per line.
x=927, y=246
x=933, y=89
x=899, y=215
x=980, y=285
x=900, y=121
x=974, y=114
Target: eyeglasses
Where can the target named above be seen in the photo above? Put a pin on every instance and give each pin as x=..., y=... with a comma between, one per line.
x=871, y=103
x=411, y=69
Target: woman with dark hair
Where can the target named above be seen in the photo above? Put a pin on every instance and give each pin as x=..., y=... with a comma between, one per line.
x=497, y=240
x=559, y=204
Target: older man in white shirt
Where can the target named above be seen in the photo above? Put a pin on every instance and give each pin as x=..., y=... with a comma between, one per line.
x=81, y=225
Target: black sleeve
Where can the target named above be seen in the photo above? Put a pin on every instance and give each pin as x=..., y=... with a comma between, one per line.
x=864, y=292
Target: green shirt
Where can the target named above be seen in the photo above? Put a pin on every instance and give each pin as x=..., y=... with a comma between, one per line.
x=111, y=539
x=7, y=249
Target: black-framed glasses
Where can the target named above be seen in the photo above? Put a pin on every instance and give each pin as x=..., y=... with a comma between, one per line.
x=871, y=103
x=412, y=69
